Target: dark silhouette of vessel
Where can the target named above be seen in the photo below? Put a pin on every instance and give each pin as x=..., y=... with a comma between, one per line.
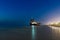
x=33, y=22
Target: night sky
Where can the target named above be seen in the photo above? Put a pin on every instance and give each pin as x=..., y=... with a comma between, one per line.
x=44, y=11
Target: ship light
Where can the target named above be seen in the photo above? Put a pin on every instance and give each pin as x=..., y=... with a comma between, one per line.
x=34, y=22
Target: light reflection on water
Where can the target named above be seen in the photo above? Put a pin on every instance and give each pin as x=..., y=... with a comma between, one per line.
x=55, y=32
x=33, y=32
x=36, y=33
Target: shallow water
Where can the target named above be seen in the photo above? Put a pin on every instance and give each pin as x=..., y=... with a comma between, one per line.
x=33, y=33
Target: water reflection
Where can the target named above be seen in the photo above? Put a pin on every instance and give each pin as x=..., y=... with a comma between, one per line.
x=45, y=32
x=33, y=32
x=55, y=33
x=36, y=33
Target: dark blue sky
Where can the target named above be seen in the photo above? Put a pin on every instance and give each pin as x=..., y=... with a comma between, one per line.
x=23, y=10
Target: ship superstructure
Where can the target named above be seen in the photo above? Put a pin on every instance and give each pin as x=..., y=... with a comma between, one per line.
x=33, y=22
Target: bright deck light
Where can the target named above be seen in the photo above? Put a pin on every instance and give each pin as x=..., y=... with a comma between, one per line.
x=34, y=22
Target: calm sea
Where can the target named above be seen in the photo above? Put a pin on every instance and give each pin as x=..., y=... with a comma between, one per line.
x=32, y=33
